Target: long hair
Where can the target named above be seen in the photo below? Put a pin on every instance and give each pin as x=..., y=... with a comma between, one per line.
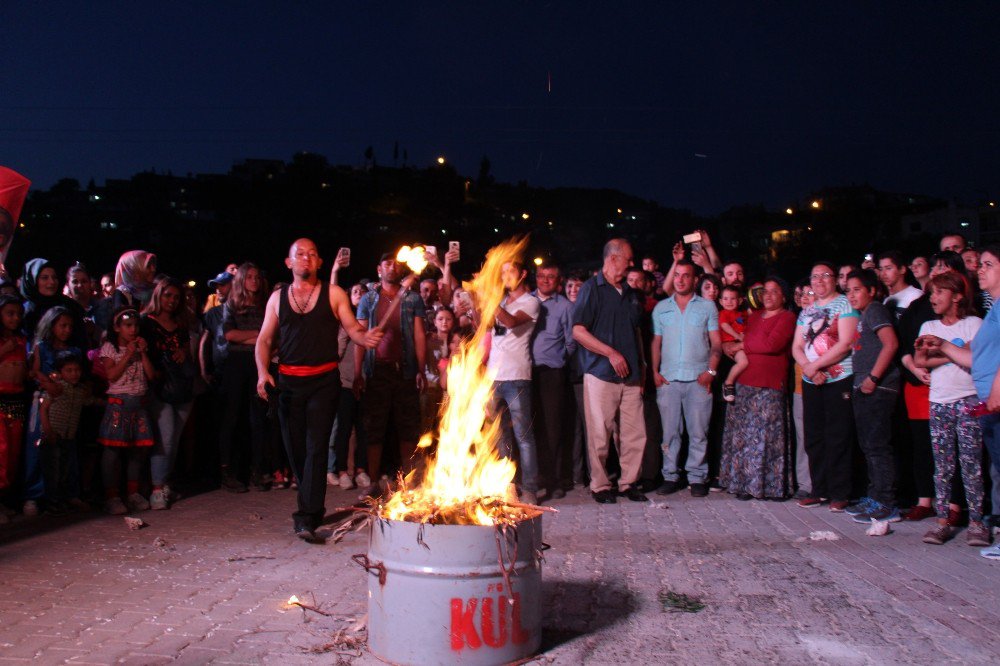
x=43, y=332
x=155, y=306
x=242, y=300
x=956, y=283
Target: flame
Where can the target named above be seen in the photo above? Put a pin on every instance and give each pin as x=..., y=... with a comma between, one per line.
x=413, y=257
x=293, y=600
x=466, y=481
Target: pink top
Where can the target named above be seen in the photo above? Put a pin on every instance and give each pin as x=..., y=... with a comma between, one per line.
x=133, y=380
x=768, y=345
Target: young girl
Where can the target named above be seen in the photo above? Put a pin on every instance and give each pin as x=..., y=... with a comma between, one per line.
x=125, y=432
x=952, y=394
x=349, y=433
x=52, y=336
x=437, y=349
x=165, y=329
x=13, y=372
x=732, y=322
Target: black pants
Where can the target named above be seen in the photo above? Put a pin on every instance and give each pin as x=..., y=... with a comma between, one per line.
x=239, y=395
x=555, y=456
x=306, y=409
x=59, y=463
x=828, y=421
x=349, y=418
x=873, y=415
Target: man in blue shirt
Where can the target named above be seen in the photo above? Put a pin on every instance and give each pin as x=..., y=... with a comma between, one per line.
x=550, y=348
x=605, y=323
x=686, y=350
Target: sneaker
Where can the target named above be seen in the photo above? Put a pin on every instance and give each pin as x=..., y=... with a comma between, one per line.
x=879, y=512
x=331, y=479
x=863, y=505
x=363, y=480
x=667, y=488
x=977, y=534
x=137, y=502
x=991, y=553
x=231, y=483
x=30, y=508
x=938, y=534
x=345, y=481
x=809, y=502
x=115, y=506
x=158, y=500
x=729, y=393
x=838, y=506
x=919, y=512
x=699, y=490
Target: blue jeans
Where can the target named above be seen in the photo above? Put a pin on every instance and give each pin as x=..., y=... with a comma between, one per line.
x=685, y=404
x=991, y=437
x=514, y=398
x=170, y=420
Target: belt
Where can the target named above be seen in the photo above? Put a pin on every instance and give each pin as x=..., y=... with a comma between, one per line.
x=306, y=370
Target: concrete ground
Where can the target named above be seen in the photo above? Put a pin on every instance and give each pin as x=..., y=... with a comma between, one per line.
x=206, y=582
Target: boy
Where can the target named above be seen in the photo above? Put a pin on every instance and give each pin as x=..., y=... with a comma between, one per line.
x=732, y=324
x=876, y=388
x=60, y=416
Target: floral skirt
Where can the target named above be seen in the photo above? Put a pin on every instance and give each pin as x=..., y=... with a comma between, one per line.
x=756, y=459
x=126, y=422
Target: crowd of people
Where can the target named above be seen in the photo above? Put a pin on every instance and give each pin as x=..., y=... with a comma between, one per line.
x=870, y=389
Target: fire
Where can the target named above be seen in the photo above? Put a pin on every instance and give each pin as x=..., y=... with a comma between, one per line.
x=413, y=257
x=466, y=481
x=293, y=600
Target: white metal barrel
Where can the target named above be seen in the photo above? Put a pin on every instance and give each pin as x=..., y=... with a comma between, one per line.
x=453, y=594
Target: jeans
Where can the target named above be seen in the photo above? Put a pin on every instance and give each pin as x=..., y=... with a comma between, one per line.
x=514, y=398
x=991, y=437
x=170, y=420
x=685, y=404
x=873, y=417
x=348, y=419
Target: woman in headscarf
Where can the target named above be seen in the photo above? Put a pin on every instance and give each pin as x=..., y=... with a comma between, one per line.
x=134, y=279
x=40, y=289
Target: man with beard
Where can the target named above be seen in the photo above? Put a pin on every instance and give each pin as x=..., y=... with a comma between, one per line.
x=391, y=374
x=306, y=316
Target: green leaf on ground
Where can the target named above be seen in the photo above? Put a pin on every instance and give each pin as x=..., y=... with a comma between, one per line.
x=677, y=602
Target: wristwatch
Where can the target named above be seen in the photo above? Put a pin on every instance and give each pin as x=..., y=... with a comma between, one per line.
x=874, y=378
x=712, y=372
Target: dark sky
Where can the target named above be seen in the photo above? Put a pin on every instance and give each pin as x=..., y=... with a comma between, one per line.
x=700, y=107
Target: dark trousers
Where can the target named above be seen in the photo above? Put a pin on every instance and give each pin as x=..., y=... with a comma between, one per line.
x=239, y=395
x=390, y=398
x=652, y=457
x=306, y=409
x=828, y=420
x=922, y=458
x=555, y=457
x=59, y=467
x=873, y=416
x=348, y=418
x=581, y=462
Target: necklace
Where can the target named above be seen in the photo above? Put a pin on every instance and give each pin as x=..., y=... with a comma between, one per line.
x=298, y=306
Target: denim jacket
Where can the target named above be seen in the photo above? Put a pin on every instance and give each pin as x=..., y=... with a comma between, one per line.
x=412, y=307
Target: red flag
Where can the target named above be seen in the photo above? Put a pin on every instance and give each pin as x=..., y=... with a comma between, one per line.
x=13, y=192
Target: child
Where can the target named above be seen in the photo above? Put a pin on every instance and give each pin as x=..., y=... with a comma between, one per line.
x=437, y=350
x=125, y=431
x=952, y=395
x=60, y=416
x=52, y=335
x=732, y=323
x=876, y=390
x=13, y=372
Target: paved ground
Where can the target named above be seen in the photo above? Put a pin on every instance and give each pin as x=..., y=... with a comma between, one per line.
x=206, y=582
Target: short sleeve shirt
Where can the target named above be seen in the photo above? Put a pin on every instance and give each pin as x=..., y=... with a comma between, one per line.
x=133, y=380
x=612, y=317
x=986, y=353
x=510, y=351
x=867, y=346
x=951, y=382
x=821, y=334
x=685, y=346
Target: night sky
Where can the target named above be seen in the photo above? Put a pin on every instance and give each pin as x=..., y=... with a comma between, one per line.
x=697, y=107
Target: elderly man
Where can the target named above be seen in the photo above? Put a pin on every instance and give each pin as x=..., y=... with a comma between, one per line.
x=606, y=324
x=306, y=316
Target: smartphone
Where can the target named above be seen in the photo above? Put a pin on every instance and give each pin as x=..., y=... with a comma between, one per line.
x=430, y=249
x=869, y=257
x=454, y=246
x=692, y=238
x=346, y=253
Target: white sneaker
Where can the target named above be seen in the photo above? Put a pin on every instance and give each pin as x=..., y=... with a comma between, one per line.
x=115, y=507
x=345, y=481
x=363, y=480
x=158, y=500
x=991, y=553
x=137, y=502
x=331, y=479
x=30, y=508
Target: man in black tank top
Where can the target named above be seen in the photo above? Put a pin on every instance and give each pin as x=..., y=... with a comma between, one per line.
x=306, y=316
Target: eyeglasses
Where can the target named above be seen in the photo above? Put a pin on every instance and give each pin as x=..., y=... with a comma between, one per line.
x=821, y=276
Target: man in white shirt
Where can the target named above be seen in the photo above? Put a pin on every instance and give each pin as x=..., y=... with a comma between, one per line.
x=510, y=363
x=892, y=273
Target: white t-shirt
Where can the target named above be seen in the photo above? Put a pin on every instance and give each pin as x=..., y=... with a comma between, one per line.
x=510, y=351
x=902, y=298
x=951, y=382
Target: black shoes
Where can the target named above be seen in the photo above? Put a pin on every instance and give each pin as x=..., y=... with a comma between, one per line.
x=635, y=495
x=667, y=487
x=699, y=490
x=557, y=493
x=308, y=535
x=605, y=497
x=744, y=497
x=231, y=483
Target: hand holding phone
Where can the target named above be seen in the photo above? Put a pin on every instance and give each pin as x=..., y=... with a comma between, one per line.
x=453, y=246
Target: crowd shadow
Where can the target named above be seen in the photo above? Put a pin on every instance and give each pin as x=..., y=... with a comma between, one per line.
x=567, y=615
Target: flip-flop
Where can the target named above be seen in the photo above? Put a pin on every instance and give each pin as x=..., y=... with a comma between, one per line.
x=991, y=553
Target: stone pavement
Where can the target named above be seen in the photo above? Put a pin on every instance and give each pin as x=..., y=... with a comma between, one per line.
x=206, y=582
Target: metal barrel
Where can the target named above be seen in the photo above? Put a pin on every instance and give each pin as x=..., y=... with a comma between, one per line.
x=454, y=594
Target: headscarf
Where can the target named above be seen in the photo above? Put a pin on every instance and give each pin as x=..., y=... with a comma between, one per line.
x=36, y=305
x=29, y=284
x=130, y=266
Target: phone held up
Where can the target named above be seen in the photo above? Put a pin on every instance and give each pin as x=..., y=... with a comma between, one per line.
x=345, y=252
x=453, y=246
